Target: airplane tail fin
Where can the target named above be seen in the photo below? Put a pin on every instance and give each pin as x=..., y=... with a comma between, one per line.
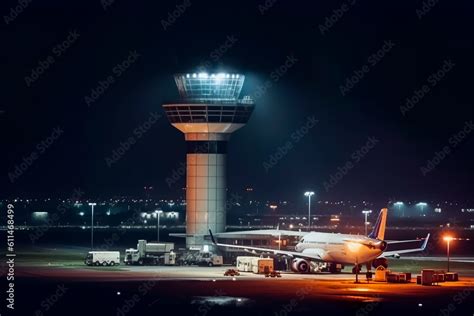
x=212, y=237
x=378, y=232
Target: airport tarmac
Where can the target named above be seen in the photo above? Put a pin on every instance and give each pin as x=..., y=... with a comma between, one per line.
x=169, y=273
x=192, y=290
x=205, y=291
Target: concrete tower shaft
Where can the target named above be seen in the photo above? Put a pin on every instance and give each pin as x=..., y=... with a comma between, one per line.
x=207, y=114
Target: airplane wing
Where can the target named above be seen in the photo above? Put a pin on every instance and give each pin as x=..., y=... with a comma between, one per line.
x=312, y=256
x=395, y=253
x=263, y=232
x=391, y=242
x=254, y=233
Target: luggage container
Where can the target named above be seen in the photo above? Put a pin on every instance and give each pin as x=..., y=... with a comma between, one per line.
x=451, y=277
x=427, y=276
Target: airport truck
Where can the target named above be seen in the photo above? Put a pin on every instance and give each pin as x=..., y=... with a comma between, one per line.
x=208, y=259
x=102, y=258
x=151, y=253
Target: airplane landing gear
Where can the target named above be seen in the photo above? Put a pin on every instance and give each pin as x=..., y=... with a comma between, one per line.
x=356, y=269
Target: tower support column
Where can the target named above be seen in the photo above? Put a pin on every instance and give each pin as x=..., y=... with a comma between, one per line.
x=205, y=185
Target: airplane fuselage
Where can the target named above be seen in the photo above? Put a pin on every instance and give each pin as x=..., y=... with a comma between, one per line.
x=339, y=248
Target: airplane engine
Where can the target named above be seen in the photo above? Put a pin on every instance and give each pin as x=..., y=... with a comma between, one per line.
x=300, y=266
x=383, y=245
x=380, y=262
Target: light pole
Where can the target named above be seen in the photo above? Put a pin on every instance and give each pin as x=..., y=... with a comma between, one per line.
x=92, y=225
x=400, y=204
x=366, y=213
x=448, y=239
x=157, y=212
x=422, y=206
x=309, y=194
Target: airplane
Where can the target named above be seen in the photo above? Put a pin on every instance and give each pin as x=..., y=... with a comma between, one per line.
x=335, y=249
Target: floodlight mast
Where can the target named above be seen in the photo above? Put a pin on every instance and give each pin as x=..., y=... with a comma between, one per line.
x=207, y=113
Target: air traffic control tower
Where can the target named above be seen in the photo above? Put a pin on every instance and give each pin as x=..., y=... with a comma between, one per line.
x=208, y=111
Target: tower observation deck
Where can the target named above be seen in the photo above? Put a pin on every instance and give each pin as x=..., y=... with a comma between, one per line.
x=208, y=111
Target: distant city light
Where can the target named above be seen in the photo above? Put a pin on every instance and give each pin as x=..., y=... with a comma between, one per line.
x=400, y=204
x=366, y=213
x=422, y=205
x=309, y=194
x=40, y=215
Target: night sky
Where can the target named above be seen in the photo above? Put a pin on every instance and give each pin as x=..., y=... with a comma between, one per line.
x=427, y=53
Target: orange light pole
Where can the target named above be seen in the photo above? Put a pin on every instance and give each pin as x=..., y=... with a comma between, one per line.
x=448, y=239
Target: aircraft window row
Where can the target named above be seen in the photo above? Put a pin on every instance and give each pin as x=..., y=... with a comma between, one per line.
x=321, y=243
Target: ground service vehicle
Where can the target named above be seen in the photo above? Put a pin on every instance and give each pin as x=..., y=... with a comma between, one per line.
x=231, y=272
x=208, y=259
x=273, y=274
x=151, y=253
x=102, y=258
